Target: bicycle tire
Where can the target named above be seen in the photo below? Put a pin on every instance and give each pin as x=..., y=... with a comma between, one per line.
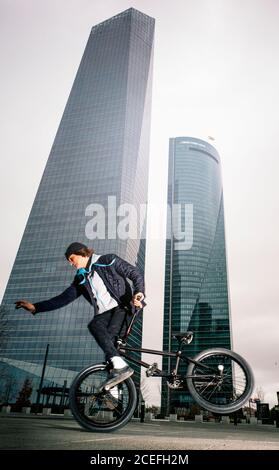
x=104, y=420
x=219, y=395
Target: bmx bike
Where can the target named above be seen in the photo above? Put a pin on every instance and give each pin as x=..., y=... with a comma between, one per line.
x=218, y=379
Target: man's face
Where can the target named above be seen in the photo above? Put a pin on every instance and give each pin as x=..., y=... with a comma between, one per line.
x=78, y=261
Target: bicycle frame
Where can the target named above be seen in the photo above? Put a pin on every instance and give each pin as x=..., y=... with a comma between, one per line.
x=157, y=372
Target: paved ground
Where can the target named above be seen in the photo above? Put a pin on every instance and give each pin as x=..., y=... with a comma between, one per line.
x=51, y=433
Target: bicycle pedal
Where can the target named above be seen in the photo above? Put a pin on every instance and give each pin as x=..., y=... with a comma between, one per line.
x=152, y=370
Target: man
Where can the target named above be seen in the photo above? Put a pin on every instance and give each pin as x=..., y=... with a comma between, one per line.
x=102, y=280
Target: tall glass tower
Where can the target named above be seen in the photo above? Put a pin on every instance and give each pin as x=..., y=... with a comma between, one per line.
x=196, y=285
x=100, y=154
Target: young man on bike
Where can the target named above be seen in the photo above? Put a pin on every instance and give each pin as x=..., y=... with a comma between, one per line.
x=102, y=280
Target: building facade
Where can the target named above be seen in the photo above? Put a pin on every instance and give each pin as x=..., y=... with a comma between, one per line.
x=99, y=160
x=196, y=284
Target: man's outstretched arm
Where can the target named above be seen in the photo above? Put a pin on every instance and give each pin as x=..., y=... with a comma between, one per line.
x=61, y=300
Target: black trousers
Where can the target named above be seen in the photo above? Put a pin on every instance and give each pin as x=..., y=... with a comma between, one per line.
x=106, y=327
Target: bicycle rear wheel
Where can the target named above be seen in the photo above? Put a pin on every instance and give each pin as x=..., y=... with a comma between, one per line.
x=101, y=411
x=220, y=381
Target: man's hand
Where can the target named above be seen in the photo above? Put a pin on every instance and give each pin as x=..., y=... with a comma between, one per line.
x=26, y=305
x=136, y=299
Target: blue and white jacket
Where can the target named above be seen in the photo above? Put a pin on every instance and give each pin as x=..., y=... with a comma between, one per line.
x=114, y=272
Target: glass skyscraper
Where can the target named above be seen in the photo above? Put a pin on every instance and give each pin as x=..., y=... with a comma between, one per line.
x=196, y=284
x=100, y=154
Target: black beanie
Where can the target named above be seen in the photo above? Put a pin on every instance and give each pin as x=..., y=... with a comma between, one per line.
x=73, y=248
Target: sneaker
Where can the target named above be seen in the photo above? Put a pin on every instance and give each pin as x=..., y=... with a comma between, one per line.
x=116, y=376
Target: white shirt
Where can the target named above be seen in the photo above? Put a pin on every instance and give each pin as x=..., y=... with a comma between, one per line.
x=103, y=298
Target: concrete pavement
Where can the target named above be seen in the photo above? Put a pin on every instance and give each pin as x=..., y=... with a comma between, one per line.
x=58, y=433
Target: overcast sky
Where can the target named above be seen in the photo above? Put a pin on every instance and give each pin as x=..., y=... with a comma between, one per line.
x=215, y=73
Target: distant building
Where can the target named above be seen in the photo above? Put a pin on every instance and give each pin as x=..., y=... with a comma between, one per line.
x=196, y=284
x=101, y=149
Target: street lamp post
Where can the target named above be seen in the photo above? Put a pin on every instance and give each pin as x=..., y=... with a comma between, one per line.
x=42, y=380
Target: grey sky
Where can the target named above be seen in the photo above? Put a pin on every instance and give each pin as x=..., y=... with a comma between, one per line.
x=215, y=73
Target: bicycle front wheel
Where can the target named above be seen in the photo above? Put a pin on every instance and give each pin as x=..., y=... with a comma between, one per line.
x=101, y=411
x=220, y=380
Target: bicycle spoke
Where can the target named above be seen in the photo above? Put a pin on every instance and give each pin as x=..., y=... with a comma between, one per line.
x=225, y=386
x=99, y=408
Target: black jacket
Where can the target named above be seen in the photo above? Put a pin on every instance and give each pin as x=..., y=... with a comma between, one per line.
x=114, y=272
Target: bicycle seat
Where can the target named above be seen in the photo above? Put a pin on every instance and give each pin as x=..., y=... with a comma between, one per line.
x=185, y=337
